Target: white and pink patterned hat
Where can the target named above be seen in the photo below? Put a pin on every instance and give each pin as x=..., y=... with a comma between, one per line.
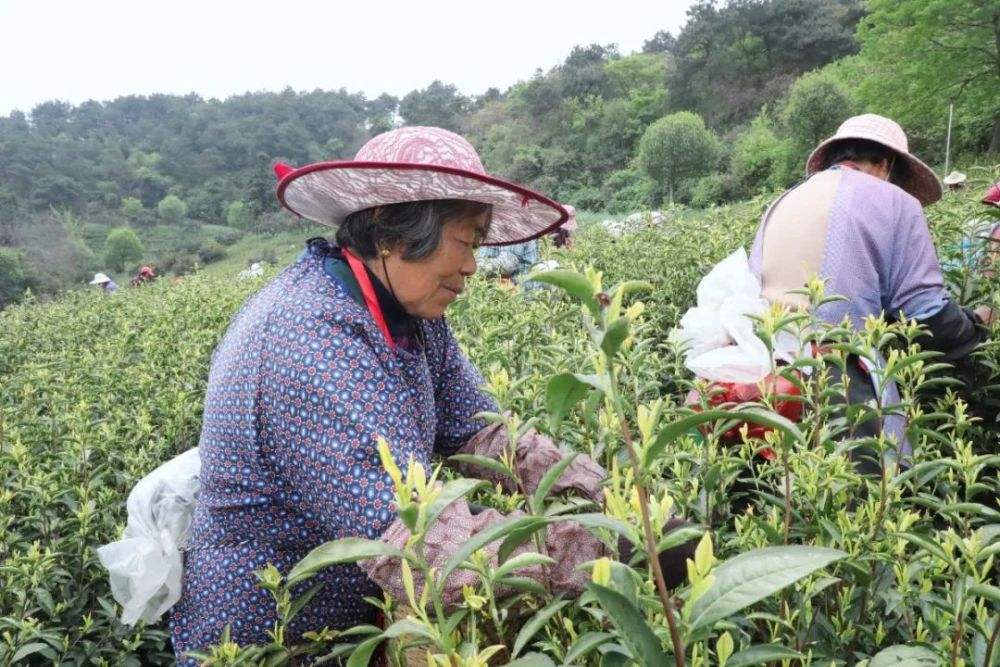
x=415, y=164
x=920, y=181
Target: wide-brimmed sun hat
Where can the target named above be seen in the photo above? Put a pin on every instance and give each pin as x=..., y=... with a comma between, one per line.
x=992, y=196
x=954, y=178
x=415, y=164
x=100, y=279
x=920, y=180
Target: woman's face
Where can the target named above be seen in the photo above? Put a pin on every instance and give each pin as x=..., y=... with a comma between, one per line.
x=426, y=287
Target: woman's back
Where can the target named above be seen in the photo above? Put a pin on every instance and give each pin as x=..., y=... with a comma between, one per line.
x=867, y=238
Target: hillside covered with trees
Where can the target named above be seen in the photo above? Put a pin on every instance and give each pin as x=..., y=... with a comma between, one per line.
x=726, y=109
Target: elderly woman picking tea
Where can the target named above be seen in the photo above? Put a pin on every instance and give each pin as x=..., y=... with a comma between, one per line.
x=346, y=346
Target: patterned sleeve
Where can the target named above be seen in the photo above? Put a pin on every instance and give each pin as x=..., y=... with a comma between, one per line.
x=915, y=284
x=458, y=392
x=319, y=383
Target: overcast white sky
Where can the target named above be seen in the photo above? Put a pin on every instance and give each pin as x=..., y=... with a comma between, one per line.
x=76, y=50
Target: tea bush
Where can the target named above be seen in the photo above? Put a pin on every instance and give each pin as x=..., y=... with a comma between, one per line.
x=815, y=564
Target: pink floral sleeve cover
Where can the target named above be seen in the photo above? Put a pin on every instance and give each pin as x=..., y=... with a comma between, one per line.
x=568, y=543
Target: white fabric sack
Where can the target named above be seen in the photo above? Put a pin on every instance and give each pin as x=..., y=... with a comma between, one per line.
x=145, y=566
x=255, y=271
x=722, y=345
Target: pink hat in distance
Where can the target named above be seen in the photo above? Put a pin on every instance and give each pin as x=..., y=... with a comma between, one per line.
x=992, y=196
x=570, y=224
x=415, y=164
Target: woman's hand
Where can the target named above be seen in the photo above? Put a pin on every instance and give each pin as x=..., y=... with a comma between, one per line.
x=568, y=544
x=535, y=455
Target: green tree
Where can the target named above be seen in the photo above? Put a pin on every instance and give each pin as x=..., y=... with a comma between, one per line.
x=239, y=215
x=732, y=58
x=438, y=105
x=14, y=277
x=132, y=208
x=122, y=249
x=938, y=52
x=817, y=103
x=755, y=155
x=172, y=209
x=661, y=42
x=677, y=147
x=146, y=180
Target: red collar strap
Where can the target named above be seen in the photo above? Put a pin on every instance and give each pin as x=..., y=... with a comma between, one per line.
x=368, y=292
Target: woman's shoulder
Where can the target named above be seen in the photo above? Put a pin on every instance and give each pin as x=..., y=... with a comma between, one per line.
x=883, y=202
x=437, y=331
x=871, y=187
x=302, y=303
x=305, y=291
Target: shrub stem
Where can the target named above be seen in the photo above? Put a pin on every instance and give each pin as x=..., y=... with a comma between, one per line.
x=647, y=526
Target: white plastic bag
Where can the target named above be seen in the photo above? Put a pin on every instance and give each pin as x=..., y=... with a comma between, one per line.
x=722, y=345
x=145, y=566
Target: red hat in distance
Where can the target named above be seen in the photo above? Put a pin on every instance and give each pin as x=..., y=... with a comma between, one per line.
x=992, y=196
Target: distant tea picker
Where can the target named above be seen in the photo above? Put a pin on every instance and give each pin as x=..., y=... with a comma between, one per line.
x=857, y=222
x=106, y=284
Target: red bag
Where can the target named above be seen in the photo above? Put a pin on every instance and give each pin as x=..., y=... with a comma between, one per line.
x=729, y=394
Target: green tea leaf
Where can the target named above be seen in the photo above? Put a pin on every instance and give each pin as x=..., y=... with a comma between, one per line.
x=986, y=591
x=562, y=393
x=302, y=600
x=532, y=660
x=597, y=520
x=477, y=461
x=679, y=536
x=450, y=492
x=927, y=545
x=28, y=649
x=761, y=654
x=548, y=481
x=598, y=382
x=519, y=561
x=905, y=656
x=335, y=552
x=585, y=644
x=614, y=336
x=575, y=284
x=536, y=623
x=518, y=537
x=407, y=626
x=481, y=539
x=754, y=415
x=753, y=575
x=631, y=624
x=362, y=655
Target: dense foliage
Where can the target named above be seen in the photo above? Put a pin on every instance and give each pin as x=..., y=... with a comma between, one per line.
x=941, y=52
x=97, y=390
x=768, y=77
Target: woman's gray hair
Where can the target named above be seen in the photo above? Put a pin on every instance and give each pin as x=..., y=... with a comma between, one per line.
x=415, y=226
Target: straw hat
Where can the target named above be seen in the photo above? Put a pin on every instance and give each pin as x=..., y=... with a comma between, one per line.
x=920, y=180
x=954, y=178
x=100, y=279
x=415, y=164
